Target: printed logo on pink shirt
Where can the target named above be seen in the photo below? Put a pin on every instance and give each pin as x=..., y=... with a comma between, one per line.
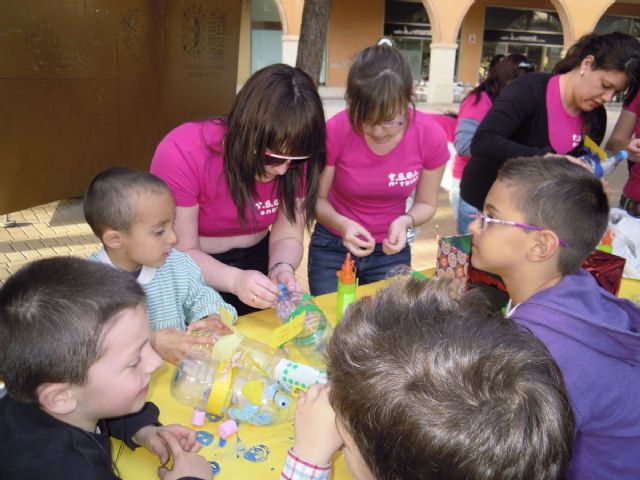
x=576, y=138
x=267, y=207
x=403, y=179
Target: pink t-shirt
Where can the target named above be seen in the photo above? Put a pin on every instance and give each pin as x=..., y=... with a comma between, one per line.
x=473, y=112
x=189, y=159
x=632, y=187
x=565, y=130
x=372, y=189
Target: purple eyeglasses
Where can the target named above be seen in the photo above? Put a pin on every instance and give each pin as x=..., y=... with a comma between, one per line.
x=484, y=219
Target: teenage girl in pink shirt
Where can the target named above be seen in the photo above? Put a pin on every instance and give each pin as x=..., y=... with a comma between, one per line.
x=246, y=185
x=378, y=151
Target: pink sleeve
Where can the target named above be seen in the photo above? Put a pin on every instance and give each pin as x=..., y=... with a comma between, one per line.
x=634, y=105
x=475, y=111
x=171, y=165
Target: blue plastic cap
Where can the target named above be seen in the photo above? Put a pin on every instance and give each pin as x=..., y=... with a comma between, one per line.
x=283, y=290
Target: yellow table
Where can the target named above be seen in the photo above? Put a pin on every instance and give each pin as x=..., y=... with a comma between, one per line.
x=266, y=447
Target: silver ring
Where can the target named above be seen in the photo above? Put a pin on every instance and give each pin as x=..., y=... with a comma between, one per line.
x=253, y=299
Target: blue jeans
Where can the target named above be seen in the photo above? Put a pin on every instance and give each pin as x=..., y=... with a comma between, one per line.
x=466, y=215
x=326, y=256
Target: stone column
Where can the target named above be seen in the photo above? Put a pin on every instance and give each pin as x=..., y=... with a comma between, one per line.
x=290, y=49
x=441, y=70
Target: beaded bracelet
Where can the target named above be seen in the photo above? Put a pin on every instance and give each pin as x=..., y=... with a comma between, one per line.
x=278, y=264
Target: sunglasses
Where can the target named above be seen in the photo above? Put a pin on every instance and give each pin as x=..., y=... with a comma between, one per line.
x=526, y=66
x=274, y=159
x=484, y=219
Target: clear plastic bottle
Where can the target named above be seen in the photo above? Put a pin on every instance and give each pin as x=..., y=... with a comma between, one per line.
x=223, y=388
x=312, y=341
x=270, y=362
x=604, y=167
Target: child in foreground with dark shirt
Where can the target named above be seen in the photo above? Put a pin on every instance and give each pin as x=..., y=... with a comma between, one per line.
x=76, y=360
x=426, y=388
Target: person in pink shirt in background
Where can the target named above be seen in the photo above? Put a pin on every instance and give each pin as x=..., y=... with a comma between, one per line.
x=472, y=110
x=540, y=113
x=245, y=185
x=621, y=138
x=378, y=151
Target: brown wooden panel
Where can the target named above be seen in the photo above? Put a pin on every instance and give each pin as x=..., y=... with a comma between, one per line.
x=85, y=85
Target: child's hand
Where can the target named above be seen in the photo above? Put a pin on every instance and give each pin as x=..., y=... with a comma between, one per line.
x=173, y=344
x=185, y=463
x=212, y=322
x=317, y=437
x=150, y=438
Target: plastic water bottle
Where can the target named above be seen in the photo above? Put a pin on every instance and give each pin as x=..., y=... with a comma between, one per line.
x=312, y=341
x=224, y=388
x=604, y=167
x=267, y=361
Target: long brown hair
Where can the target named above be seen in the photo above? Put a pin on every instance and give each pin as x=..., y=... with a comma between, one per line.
x=379, y=85
x=277, y=109
x=501, y=75
x=613, y=51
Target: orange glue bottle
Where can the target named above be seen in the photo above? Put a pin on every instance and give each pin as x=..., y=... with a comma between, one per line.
x=606, y=242
x=346, y=286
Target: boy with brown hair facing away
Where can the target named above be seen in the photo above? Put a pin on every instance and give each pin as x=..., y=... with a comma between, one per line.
x=76, y=360
x=424, y=387
x=132, y=213
x=541, y=219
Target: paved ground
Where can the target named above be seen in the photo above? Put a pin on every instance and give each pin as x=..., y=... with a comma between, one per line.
x=58, y=228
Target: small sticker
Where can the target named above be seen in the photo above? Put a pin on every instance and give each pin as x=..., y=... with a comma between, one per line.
x=204, y=438
x=286, y=332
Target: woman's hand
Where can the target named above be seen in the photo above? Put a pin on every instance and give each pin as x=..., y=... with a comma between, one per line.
x=255, y=289
x=286, y=276
x=357, y=239
x=633, y=147
x=397, y=235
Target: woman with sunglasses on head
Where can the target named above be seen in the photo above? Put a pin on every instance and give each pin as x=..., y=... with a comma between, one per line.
x=543, y=113
x=378, y=151
x=246, y=185
x=473, y=109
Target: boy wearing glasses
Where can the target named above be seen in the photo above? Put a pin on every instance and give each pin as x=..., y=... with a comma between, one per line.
x=541, y=218
x=132, y=213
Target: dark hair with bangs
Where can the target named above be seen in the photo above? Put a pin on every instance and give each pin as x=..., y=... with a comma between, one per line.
x=613, y=51
x=435, y=389
x=277, y=109
x=379, y=86
x=502, y=74
x=53, y=316
x=557, y=194
x=109, y=198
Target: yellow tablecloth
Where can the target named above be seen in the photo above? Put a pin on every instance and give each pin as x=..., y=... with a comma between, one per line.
x=266, y=447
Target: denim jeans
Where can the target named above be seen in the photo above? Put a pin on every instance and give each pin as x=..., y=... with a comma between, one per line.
x=466, y=215
x=326, y=256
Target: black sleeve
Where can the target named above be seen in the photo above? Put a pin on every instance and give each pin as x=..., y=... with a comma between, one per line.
x=123, y=428
x=516, y=120
x=514, y=107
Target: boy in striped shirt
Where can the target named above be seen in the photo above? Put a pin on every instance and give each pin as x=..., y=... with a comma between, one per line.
x=132, y=213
